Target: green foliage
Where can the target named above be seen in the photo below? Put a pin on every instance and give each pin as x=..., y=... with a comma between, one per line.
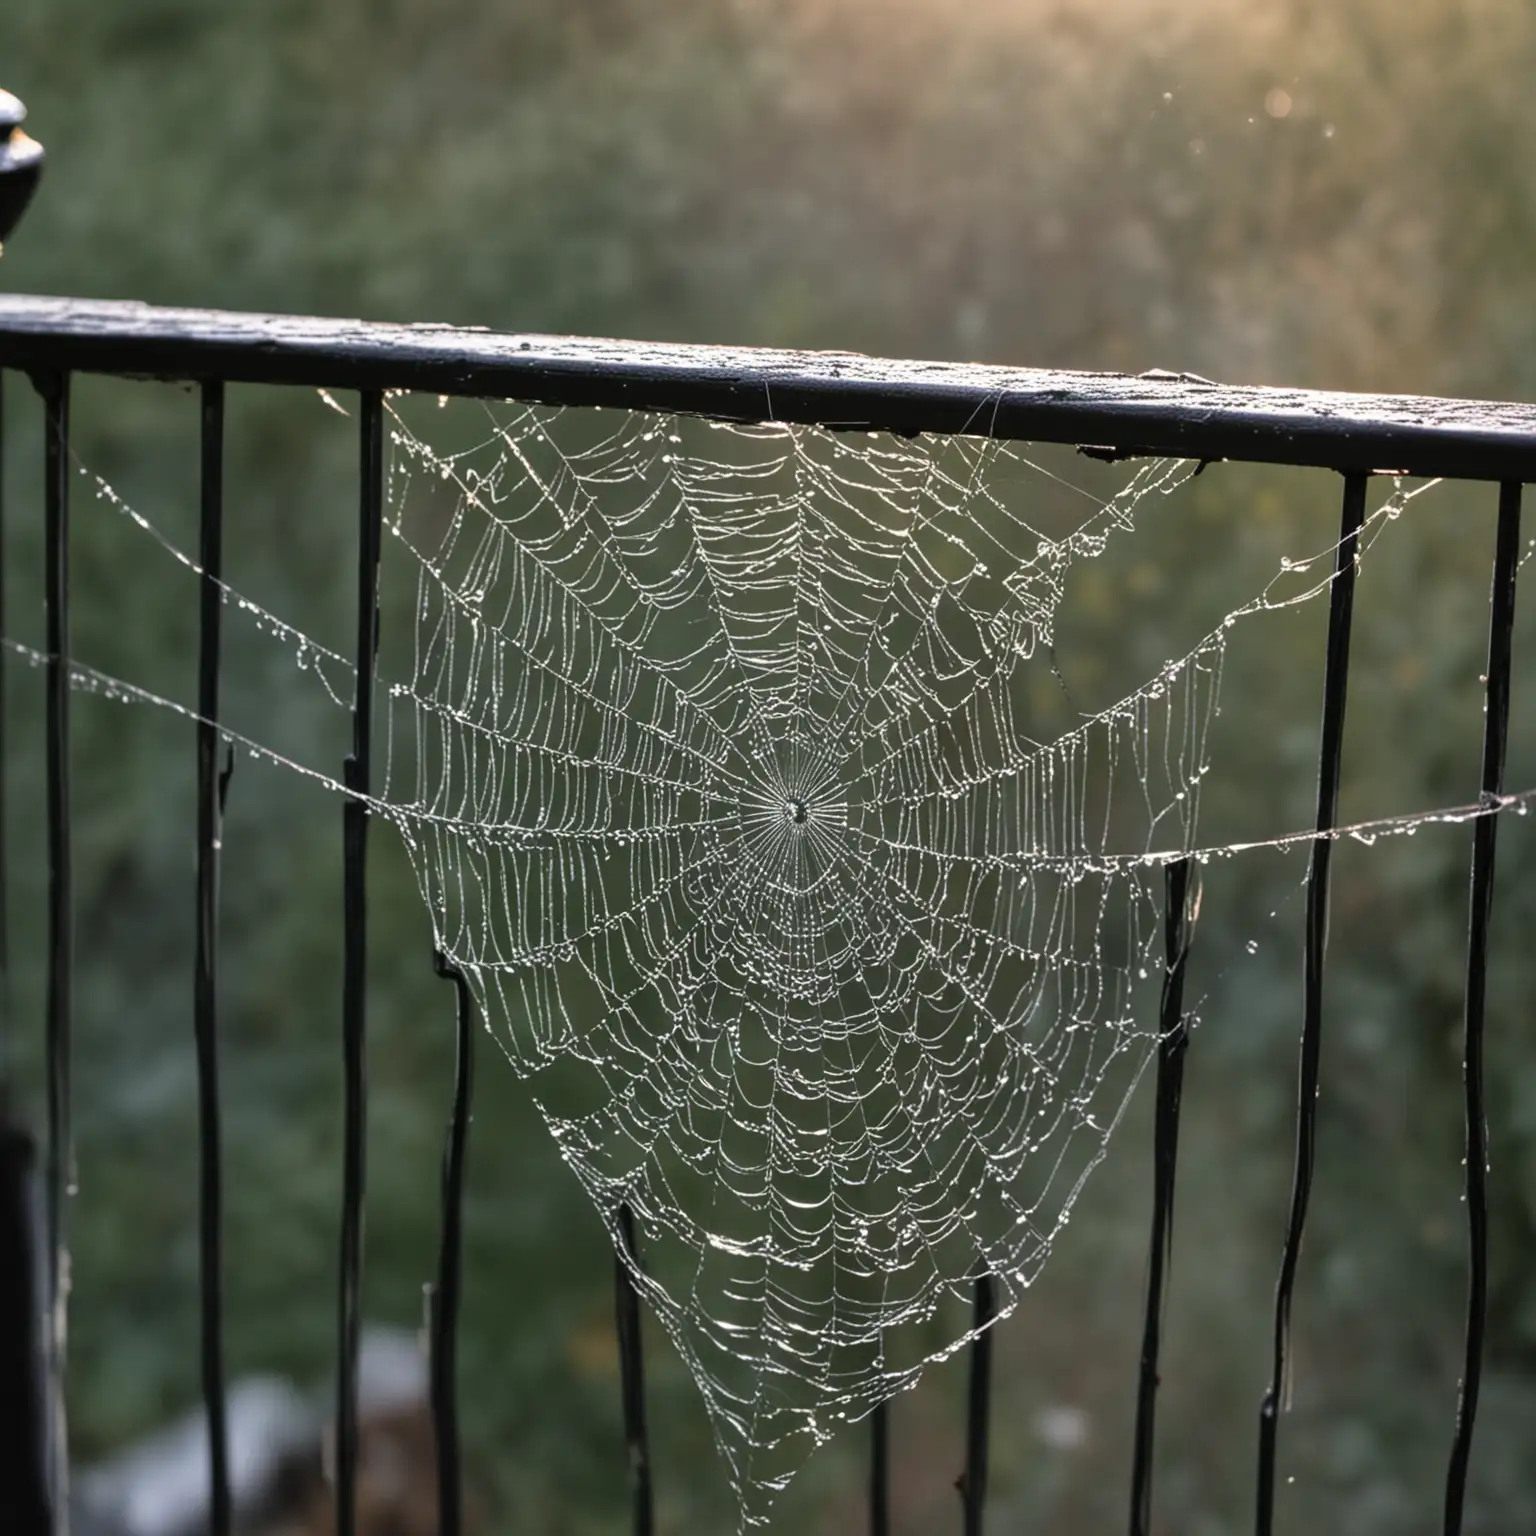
x=1054, y=182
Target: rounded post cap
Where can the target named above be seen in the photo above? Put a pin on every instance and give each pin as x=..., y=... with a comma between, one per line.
x=21, y=163
x=17, y=150
x=12, y=112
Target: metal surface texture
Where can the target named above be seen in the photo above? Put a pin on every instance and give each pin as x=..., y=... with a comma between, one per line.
x=1156, y=413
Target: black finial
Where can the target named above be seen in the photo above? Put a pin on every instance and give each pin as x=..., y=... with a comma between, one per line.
x=21, y=164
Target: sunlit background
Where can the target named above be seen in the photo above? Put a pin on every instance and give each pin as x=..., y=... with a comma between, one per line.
x=1259, y=191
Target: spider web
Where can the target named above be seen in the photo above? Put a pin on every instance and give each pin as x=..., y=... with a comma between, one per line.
x=723, y=792
x=720, y=753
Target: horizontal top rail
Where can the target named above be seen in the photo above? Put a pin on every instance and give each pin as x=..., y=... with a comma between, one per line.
x=1154, y=413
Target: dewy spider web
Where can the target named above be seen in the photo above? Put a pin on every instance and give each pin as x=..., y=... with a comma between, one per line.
x=722, y=791
x=712, y=748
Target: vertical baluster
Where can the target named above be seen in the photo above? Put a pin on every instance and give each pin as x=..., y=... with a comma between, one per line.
x=1173, y=1043
x=210, y=796
x=1484, y=843
x=1335, y=680
x=632, y=1374
x=445, y=1294
x=26, y=1500
x=973, y=1481
x=60, y=1160
x=5, y=799
x=880, y=1471
x=25, y=1506
x=355, y=960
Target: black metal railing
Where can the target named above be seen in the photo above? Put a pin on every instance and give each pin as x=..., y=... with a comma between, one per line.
x=1109, y=415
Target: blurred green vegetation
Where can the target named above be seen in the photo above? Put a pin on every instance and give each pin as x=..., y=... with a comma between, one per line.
x=1284, y=191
